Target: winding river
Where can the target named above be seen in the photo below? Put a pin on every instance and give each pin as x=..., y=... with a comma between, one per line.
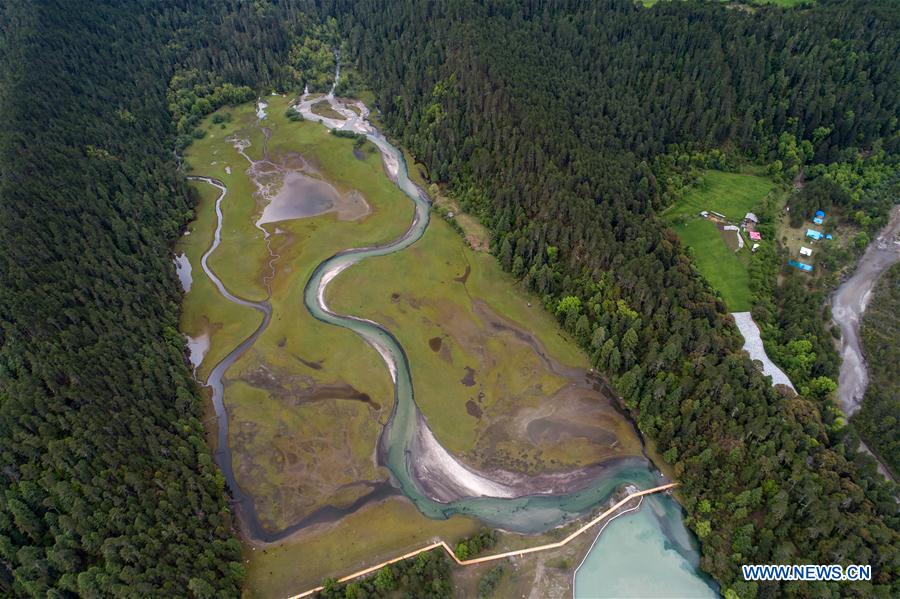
x=406, y=445
x=848, y=304
x=847, y=307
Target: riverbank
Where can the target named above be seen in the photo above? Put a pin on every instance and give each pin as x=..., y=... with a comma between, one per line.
x=849, y=303
x=256, y=381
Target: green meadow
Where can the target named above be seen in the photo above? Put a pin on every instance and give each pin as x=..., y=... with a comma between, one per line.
x=726, y=271
x=493, y=373
x=490, y=397
x=731, y=194
x=298, y=441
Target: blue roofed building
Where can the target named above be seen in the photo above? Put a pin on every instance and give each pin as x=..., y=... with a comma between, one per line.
x=801, y=266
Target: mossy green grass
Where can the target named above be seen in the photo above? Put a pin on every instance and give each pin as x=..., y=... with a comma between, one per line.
x=300, y=440
x=493, y=374
x=733, y=195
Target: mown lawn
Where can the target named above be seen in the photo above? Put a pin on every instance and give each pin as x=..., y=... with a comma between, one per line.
x=725, y=270
x=731, y=194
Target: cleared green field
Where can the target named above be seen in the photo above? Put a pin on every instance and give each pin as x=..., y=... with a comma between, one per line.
x=493, y=374
x=725, y=270
x=731, y=194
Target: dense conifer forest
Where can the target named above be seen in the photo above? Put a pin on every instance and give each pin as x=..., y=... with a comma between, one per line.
x=107, y=485
x=564, y=126
x=548, y=121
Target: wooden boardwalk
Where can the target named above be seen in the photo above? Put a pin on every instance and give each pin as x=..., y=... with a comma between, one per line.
x=498, y=556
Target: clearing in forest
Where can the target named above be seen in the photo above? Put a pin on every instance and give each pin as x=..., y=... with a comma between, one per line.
x=716, y=250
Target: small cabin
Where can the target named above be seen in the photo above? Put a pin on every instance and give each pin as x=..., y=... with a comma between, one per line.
x=805, y=251
x=755, y=247
x=813, y=234
x=750, y=221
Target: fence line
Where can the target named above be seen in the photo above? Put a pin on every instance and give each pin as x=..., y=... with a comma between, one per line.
x=498, y=556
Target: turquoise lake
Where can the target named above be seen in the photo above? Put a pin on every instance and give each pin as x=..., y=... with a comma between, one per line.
x=648, y=553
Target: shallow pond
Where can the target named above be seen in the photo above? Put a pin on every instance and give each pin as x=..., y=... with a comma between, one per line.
x=197, y=348
x=183, y=268
x=299, y=197
x=647, y=553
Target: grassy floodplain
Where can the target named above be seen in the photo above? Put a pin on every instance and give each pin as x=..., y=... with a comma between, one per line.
x=492, y=372
x=731, y=194
x=373, y=534
x=301, y=440
x=491, y=397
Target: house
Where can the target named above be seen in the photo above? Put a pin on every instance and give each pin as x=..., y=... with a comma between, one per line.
x=813, y=234
x=755, y=236
x=805, y=251
x=750, y=221
x=800, y=265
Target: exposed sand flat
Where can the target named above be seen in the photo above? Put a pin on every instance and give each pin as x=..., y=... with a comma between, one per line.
x=447, y=478
x=753, y=345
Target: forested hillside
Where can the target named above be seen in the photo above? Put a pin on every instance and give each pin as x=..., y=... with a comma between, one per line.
x=561, y=125
x=548, y=121
x=107, y=486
